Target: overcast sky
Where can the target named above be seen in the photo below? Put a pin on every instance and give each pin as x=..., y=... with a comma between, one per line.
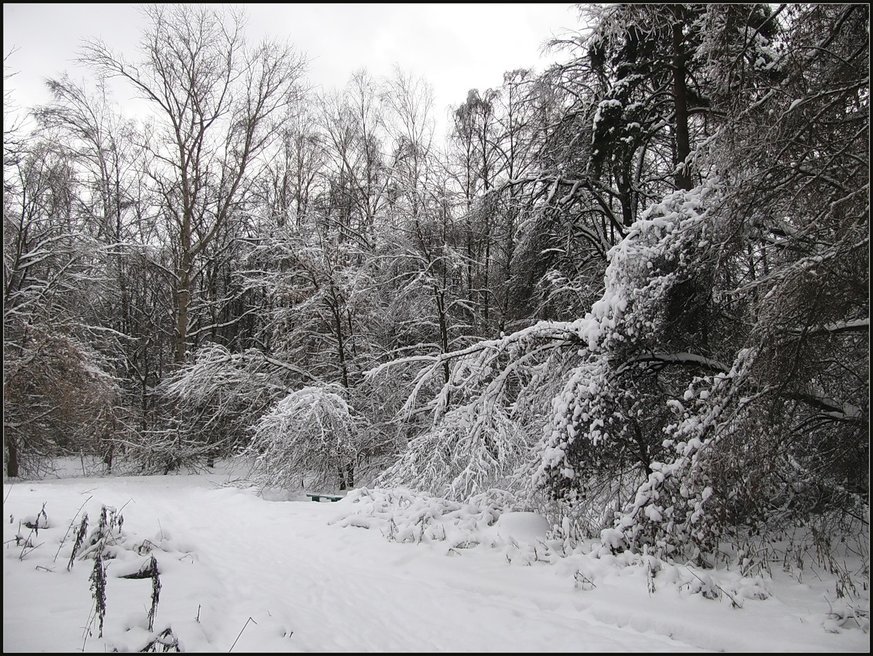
x=454, y=47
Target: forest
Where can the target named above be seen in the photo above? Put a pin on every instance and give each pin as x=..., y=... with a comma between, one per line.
x=630, y=291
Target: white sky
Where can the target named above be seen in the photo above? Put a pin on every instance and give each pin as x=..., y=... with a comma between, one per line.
x=454, y=47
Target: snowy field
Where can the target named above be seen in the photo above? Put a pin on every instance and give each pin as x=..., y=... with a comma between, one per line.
x=374, y=572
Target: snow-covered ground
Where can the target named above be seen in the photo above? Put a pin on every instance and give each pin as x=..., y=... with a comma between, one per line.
x=293, y=575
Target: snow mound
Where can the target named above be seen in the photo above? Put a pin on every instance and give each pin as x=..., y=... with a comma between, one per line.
x=521, y=527
x=404, y=515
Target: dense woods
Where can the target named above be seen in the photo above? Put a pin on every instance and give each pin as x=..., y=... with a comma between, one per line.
x=631, y=290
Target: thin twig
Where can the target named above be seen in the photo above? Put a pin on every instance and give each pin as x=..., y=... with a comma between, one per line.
x=87, y=628
x=241, y=632
x=726, y=593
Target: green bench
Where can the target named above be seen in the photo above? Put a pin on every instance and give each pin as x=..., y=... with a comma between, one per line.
x=319, y=497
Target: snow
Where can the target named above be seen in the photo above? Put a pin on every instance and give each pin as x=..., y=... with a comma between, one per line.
x=240, y=570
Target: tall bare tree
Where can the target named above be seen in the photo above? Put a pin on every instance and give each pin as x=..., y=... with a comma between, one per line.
x=217, y=103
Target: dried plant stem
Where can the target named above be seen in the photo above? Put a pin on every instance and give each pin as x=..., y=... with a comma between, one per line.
x=72, y=521
x=241, y=632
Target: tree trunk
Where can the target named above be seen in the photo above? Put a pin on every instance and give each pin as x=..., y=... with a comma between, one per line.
x=183, y=295
x=182, y=300
x=340, y=346
x=442, y=319
x=12, y=460
x=680, y=100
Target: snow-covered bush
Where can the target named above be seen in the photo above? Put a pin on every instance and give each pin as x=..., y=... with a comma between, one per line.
x=215, y=400
x=403, y=515
x=312, y=436
x=607, y=425
x=674, y=511
x=485, y=418
x=465, y=453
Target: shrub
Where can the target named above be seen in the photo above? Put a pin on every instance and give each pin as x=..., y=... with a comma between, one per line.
x=311, y=433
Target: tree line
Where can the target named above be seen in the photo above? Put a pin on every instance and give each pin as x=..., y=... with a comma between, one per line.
x=632, y=288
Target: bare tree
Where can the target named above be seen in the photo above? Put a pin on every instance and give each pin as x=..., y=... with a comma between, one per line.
x=217, y=103
x=289, y=185
x=354, y=123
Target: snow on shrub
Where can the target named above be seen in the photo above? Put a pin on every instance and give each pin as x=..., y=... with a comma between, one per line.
x=404, y=515
x=220, y=393
x=483, y=417
x=673, y=511
x=206, y=407
x=464, y=454
x=311, y=435
x=606, y=426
